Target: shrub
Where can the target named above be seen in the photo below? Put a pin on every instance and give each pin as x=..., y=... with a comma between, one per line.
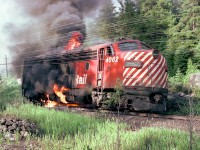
x=179, y=82
x=10, y=93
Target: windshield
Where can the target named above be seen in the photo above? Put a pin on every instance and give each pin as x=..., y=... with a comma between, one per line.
x=127, y=46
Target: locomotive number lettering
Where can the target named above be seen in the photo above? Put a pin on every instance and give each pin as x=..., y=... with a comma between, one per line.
x=112, y=59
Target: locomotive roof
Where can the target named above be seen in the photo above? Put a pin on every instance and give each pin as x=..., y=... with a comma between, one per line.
x=80, y=53
x=95, y=47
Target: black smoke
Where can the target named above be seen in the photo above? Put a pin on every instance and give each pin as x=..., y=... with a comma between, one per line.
x=48, y=25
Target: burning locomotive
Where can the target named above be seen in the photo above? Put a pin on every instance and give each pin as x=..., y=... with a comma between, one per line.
x=88, y=75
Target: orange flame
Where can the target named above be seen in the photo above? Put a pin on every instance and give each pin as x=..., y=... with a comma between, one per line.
x=59, y=93
x=49, y=103
x=74, y=42
x=72, y=105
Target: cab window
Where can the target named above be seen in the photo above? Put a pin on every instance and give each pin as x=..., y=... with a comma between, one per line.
x=109, y=51
x=127, y=46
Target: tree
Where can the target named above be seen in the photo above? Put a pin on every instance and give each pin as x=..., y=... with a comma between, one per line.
x=184, y=34
x=127, y=17
x=156, y=15
x=196, y=57
x=106, y=21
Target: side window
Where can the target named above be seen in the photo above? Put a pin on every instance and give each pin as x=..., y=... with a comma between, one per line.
x=109, y=51
x=87, y=66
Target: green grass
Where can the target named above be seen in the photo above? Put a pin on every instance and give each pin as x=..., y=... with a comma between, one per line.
x=76, y=130
x=164, y=139
x=53, y=122
x=10, y=93
x=65, y=130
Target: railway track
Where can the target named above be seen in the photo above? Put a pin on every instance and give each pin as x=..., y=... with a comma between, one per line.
x=138, y=120
x=127, y=113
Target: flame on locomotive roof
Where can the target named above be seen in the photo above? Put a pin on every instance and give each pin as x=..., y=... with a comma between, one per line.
x=90, y=74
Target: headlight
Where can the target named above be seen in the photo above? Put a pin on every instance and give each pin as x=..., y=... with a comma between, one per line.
x=133, y=64
x=155, y=54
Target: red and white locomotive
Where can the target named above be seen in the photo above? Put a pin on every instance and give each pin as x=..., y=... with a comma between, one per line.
x=91, y=75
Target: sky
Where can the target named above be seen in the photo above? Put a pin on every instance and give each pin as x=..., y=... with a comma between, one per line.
x=10, y=14
x=4, y=17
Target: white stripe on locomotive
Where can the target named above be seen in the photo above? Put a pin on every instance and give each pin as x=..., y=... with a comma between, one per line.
x=154, y=69
x=145, y=64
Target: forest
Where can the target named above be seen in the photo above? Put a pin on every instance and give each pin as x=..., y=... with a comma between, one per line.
x=171, y=26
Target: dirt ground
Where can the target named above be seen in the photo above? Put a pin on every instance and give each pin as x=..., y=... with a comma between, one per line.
x=137, y=122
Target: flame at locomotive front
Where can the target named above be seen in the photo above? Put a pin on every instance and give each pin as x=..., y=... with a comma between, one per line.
x=62, y=97
x=75, y=41
x=48, y=103
x=51, y=104
x=59, y=92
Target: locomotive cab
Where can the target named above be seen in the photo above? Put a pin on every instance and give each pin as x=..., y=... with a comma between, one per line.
x=141, y=70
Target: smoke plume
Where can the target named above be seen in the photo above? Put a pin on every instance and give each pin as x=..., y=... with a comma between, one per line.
x=49, y=23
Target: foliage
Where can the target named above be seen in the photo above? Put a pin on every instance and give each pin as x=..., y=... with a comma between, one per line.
x=65, y=130
x=173, y=139
x=53, y=122
x=179, y=82
x=62, y=130
x=184, y=34
x=10, y=93
x=191, y=68
x=116, y=96
x=74, y=130
x=176, y=87
x=126, y=19
x=181, y=59
x=185, y=108
x=157, y=15
x=178, y=78
x=196, y=58
x=106, y=21
x=170, y=26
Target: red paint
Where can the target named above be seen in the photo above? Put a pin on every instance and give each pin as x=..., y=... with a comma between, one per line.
x=107, y=68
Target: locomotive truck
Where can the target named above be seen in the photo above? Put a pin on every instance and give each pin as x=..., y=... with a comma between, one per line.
x=90, y=75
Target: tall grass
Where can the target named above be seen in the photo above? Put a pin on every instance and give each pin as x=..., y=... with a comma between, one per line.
x=76, y=130
x=65, y=130
x=53, y=122
x=10, y=92
x=164, y=139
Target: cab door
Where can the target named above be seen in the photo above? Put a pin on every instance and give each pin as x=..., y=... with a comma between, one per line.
x=111, y=68
x=100, y=68
x=107, y=68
